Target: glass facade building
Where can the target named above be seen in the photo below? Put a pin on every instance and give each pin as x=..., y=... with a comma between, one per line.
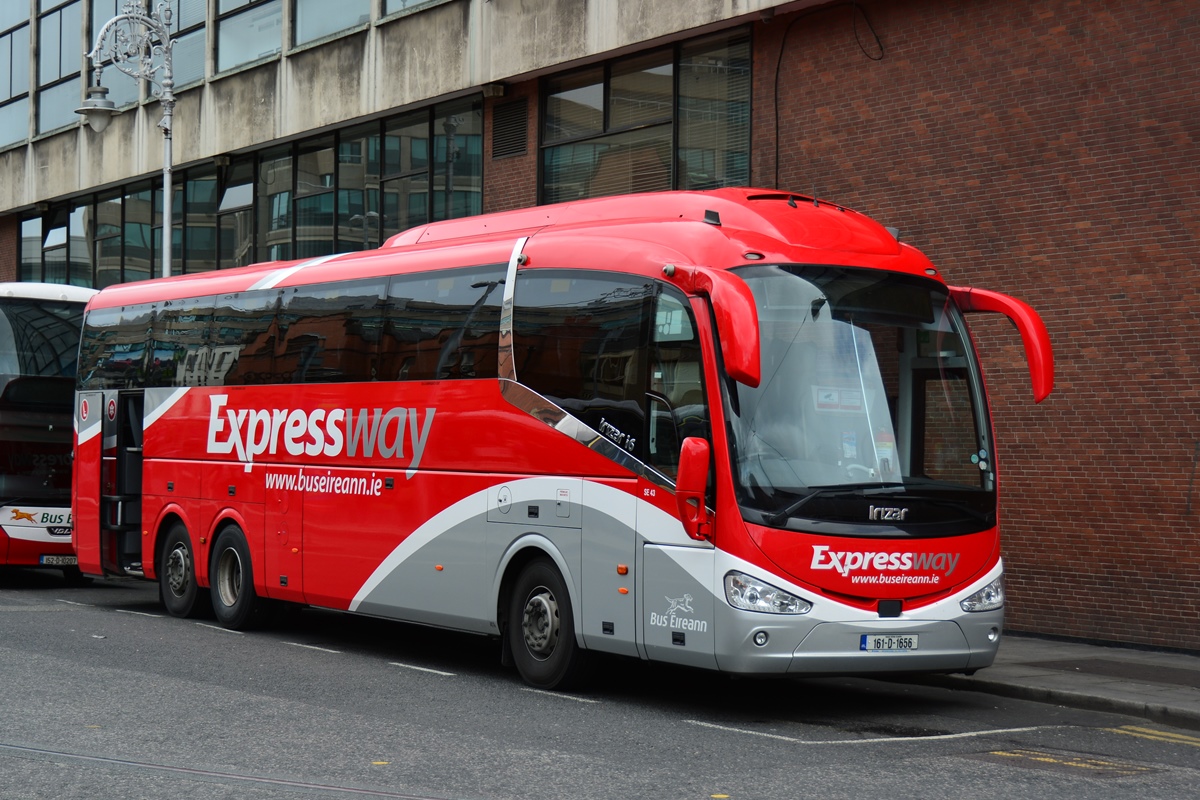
x=674, y=116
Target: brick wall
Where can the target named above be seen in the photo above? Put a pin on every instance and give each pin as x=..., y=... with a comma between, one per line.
x=512, y=181
x=1049, y=150
x=10, y=248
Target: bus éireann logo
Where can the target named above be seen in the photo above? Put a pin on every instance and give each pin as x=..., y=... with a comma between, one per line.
x=18, y=515
x=251, y=432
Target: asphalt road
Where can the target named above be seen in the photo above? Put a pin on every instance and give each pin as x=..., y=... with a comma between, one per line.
x=104, y=696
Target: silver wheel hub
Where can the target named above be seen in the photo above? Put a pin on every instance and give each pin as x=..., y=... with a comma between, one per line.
x=540, y=623
x=179, y=570
x=229, y=576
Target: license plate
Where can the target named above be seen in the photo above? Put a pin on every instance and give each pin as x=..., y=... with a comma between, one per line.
x=59, y=561
x=887, y=642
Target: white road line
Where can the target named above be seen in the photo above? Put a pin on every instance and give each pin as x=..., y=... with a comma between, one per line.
x=73, y=603
x=218, y=628
x=559, y=695
x=881, y=740
x=313, y=647
x=422, y=669
x=139, y=613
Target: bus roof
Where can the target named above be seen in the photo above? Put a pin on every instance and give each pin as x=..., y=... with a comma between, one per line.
x=46, y=291
x=638, y=233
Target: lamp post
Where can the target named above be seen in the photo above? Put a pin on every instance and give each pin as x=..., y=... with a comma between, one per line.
x=139, y=44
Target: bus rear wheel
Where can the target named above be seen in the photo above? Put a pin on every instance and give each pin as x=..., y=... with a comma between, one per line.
x=234, y=601
x=177, y=587
x=541, y=629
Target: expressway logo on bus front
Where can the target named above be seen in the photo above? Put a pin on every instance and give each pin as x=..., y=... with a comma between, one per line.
x=846, y=562
x=251, y=432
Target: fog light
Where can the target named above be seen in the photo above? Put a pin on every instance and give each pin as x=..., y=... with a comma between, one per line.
x=761, y=638
x=993, y=634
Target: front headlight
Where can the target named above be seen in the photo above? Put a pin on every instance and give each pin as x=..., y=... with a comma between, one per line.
x=989, y=598
x=751, y=594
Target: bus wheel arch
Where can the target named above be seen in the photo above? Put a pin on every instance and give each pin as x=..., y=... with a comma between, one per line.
x=175, y=560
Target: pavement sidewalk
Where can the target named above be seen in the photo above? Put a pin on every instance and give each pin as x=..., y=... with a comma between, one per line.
x=1155, y=685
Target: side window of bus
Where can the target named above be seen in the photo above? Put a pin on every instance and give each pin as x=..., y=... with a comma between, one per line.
x=331, y=332
x=443, y=325
x=676, y=398
x=579, y=340
x=179, y=343
x=244, y=334
x=113, y=349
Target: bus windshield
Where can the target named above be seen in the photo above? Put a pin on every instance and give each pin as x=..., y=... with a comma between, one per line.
x=39, y=340
x=870, y=411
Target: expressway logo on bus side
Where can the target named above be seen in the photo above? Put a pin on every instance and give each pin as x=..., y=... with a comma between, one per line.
x=252, y=432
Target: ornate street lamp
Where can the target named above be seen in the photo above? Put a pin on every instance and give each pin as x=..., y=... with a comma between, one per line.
x=139, y=44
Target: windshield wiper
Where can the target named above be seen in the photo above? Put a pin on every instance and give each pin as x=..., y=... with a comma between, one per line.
x=848, y=490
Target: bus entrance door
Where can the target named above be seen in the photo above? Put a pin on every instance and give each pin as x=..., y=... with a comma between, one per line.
x=108, y=540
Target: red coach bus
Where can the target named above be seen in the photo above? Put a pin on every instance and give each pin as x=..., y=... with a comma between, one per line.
x=740, y=430
x=39, y=343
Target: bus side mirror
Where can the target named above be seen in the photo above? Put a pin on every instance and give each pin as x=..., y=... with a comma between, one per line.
x=691, y=488
x=737, y=322
x=1034, y=335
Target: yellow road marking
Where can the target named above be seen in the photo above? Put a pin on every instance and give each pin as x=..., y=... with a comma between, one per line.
x=1157, y=735
x=1039, y=757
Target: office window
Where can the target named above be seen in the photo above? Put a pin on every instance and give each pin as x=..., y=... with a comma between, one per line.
x=191, y=38
x=317, y=18
x=235, y=217
x=107, y=225
x=140, y=233
x=458, y=160
x=394, y=6
x=714, y=114
x=273, y=197
x=314, y=210
x=60, y=64
x=247, y=31
x=14, y=72
x=359, y=224
x=667, y=119
x=201, y=197
x=30, y=268
x=123, y=90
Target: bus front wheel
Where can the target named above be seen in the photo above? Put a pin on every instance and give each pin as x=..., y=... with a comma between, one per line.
x=234, y=600
x=177, y=587
x=541, y=629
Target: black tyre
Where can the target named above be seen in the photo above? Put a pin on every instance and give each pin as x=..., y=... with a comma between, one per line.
x=177, y=587
x=541, y=629
x=231, y=576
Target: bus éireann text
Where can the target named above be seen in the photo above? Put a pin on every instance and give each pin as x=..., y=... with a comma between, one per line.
x=738, y=429
x=39, y=343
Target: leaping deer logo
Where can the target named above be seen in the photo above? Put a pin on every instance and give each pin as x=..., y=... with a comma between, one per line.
x=680, y=604
x=22, y=515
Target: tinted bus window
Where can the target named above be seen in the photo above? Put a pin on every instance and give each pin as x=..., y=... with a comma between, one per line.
x=244, y=333
x=112, y=354
x=443, y=325
x=579, y=339
x=331, y=332
x=179, y=350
